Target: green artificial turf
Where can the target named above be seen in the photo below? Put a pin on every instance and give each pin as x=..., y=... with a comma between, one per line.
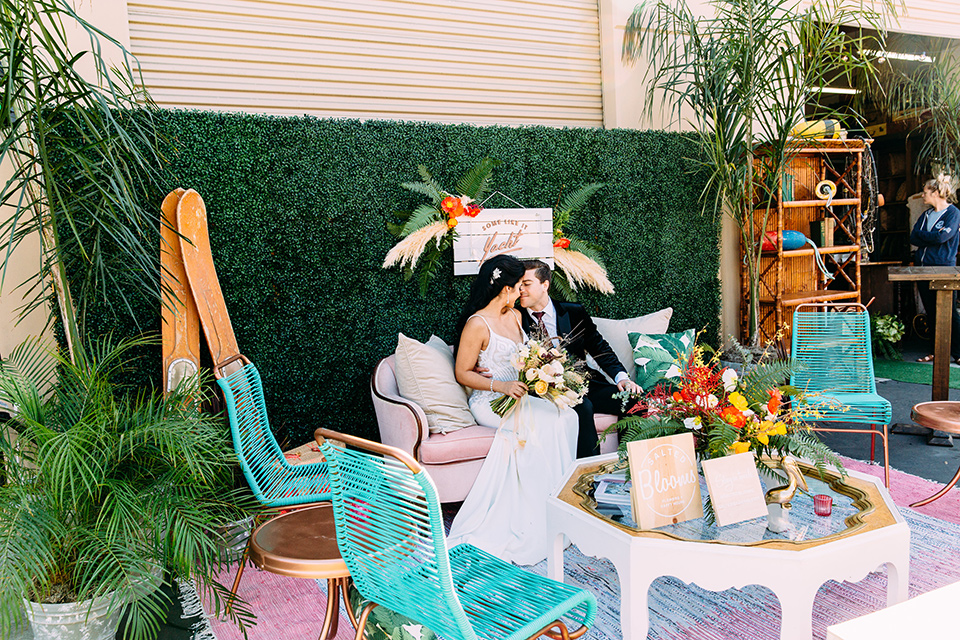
x=916, y=372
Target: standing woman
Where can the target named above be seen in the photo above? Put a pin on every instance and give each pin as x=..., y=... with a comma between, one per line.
x=505, y=513
x=936, y=237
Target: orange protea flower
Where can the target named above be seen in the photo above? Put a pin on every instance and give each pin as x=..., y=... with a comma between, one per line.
x=773, y=405
x=562, y=243
x=451, y=222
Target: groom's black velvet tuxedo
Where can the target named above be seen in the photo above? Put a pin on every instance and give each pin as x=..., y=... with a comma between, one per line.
x=581, y=336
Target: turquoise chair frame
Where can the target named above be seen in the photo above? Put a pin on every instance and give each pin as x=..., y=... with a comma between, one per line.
x=833, y=362
x=275, y=483
x=390, y=533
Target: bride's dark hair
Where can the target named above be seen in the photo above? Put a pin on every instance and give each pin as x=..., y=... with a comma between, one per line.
x=495, y=274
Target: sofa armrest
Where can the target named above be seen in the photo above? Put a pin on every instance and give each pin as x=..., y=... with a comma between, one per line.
x=403, y=424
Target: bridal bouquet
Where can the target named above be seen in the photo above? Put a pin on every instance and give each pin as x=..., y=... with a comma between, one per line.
x=547, y=371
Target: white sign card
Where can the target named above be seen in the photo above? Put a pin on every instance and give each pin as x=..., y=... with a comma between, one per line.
x=735, y=490
x=666, y=485
x=523, y=233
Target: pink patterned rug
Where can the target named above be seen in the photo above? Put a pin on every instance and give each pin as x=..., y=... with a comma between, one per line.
x=289, y=607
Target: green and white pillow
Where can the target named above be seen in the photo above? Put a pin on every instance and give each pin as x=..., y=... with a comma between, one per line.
x=658, y=356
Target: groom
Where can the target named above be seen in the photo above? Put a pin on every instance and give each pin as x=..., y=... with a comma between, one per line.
x=571, y=321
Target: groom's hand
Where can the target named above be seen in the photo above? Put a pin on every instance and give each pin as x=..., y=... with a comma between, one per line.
x=482, y=371
x=629, y=385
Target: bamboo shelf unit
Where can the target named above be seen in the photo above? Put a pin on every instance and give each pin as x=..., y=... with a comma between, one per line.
x=790, y=278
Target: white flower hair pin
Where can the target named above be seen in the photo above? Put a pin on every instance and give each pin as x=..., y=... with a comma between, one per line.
x=496, y=274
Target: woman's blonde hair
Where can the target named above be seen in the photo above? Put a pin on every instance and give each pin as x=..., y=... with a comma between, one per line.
x=943, y=186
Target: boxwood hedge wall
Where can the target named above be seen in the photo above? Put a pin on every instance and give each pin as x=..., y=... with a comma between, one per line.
x=297, y=210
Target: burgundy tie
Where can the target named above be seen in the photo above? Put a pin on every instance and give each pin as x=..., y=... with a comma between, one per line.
x=539, y=316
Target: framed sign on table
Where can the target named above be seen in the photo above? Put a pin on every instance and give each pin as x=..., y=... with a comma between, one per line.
x=666, y=484
x=526, y=234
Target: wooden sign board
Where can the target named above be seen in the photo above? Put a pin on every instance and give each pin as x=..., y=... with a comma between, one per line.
x=523, y=233
x=735, y=490
x=666, y=485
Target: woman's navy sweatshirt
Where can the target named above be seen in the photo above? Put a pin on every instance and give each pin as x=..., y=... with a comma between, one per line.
x=937, y=247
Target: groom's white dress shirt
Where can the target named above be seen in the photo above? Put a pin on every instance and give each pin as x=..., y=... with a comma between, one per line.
x=550, y=322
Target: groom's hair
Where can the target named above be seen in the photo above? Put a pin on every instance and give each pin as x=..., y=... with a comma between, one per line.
x=543, y=269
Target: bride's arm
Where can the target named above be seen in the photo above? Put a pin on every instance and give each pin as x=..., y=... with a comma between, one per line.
x=468, y=353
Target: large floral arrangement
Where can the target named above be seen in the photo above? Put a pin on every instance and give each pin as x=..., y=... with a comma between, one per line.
x=549, y=372
x=729, y=413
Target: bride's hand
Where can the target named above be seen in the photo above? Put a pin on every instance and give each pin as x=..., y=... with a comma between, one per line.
x=513, y=388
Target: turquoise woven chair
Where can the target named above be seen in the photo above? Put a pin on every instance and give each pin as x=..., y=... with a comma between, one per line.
x=833, y=361
x=274, y=482
x=390, y=534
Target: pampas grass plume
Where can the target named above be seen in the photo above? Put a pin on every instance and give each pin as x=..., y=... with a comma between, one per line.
x=582, y=270
x=411, y=248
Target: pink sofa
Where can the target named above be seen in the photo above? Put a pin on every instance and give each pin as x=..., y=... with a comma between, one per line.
x=453, y=460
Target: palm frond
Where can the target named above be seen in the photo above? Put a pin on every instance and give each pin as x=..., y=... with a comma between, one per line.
x=422, y=216
x=572, y=203
x=560, y=287
x=476, y=182
x=765, y=375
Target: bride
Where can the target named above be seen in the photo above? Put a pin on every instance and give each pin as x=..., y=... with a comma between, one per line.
x=505, y=512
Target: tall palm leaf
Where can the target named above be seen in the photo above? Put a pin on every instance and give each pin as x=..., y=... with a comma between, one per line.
x=84, y=151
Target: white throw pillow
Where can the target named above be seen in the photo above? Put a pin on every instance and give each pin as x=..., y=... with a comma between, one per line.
x=615, y=333
x=425, y=376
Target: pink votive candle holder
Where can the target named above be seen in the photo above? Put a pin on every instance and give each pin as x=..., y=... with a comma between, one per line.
x=822, y=505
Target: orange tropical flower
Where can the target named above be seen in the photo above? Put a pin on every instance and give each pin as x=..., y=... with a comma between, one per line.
x=733, y=416
x=450, y=205
x=773, y=405
x=562, y=243
x=452, y=222
x=473, y=210
x=740, y=447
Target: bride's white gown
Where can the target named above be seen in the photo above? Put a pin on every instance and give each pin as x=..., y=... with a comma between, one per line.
x=505, y=511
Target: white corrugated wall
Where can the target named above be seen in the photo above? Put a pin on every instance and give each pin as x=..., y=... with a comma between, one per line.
x=475, y=61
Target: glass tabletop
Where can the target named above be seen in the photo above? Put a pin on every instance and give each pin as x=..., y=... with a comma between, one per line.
x=849, y=507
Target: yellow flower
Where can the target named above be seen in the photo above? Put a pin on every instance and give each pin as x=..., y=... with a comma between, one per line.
x=541, y=387
x=736, y=399
x=763, y=438
x=780, y=429
x=740, y=447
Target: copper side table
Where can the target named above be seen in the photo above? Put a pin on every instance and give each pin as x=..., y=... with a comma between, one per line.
x=939, y=416
x=303, y=544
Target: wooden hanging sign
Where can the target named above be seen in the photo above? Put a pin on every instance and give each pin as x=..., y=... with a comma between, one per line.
x=666, y=485
x=735, y=490
x=523, y=233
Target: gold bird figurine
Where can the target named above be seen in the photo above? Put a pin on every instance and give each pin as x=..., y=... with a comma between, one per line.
x=783, y=495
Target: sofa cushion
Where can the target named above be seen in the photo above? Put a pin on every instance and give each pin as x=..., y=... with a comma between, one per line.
x=425, y=376
x=657, y=356
x=615, y=332
x=471, y=443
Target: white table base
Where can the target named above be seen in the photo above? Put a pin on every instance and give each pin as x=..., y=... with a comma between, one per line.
x=794, y=576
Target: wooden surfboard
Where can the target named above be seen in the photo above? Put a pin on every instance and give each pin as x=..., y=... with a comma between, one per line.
x=203, y=282
x=181, y=323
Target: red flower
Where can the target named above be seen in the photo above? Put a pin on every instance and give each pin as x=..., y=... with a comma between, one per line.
x=733, y=416
x=773, y=405
x=562, y=243
x=473, y=210
x=452, y=206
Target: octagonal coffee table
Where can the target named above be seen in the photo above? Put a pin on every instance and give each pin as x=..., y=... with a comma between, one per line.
x=864, y=532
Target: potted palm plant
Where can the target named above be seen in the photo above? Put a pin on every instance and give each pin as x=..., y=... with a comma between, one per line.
x=108, y=493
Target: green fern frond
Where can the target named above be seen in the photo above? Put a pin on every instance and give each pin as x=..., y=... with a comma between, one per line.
x=560, y=287
x=423, y=188
x=588, y=249
x=436, y=193
x=571, y=203
x=765, y=375
x=422, y=216
x=476, y=183
x=637, y=428
x=722, y=436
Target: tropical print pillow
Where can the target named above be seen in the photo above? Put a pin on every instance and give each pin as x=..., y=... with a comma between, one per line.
x=658, y=356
